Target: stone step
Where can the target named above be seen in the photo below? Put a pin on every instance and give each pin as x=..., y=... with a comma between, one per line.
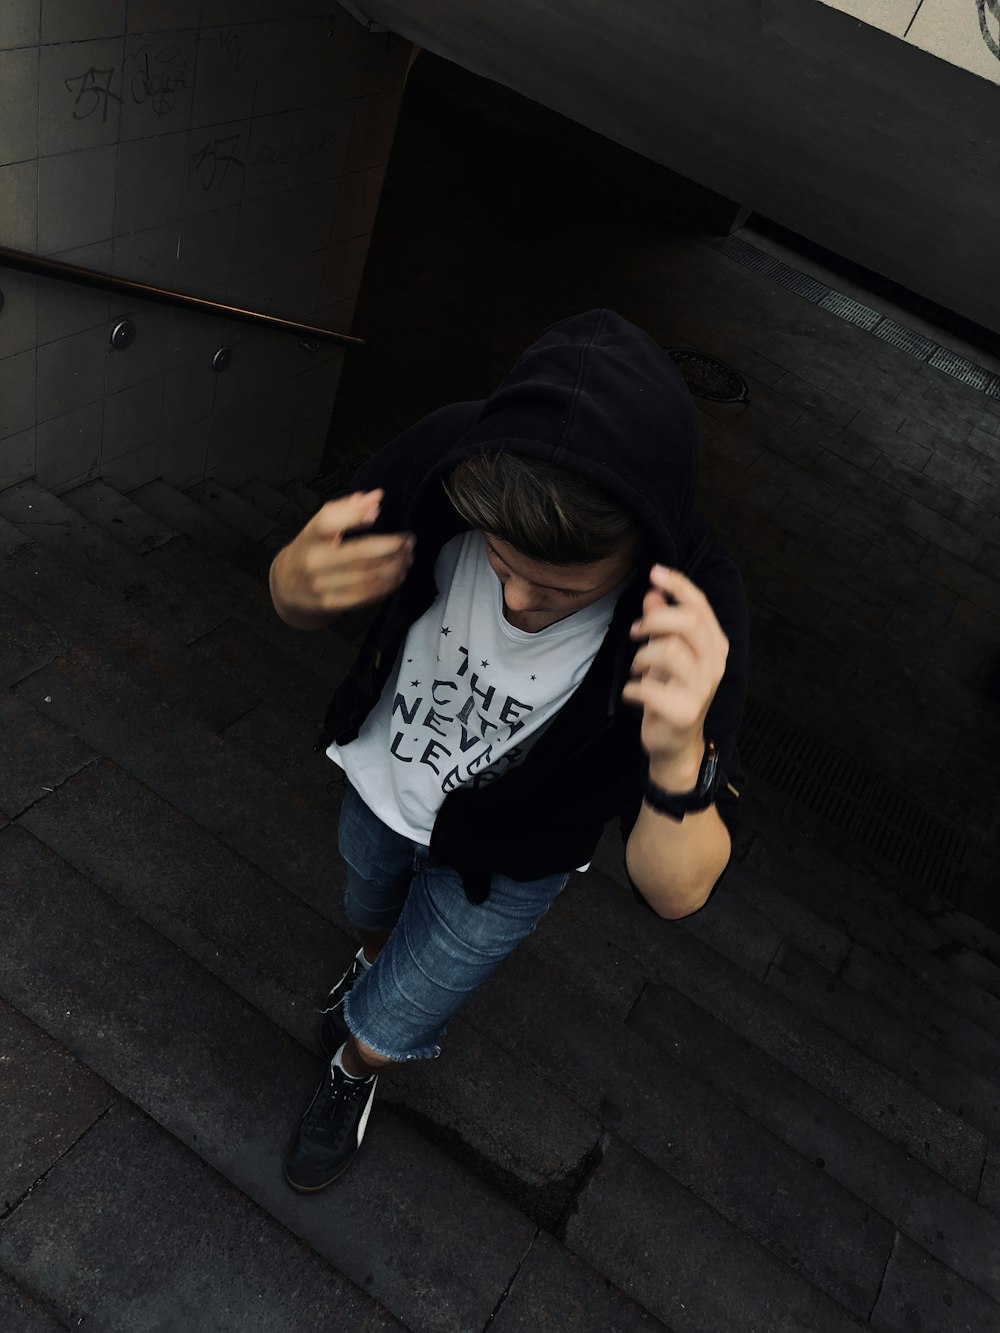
x=811, y=933
x=23, y=1313
x=892, y=981
x=902, y=994
x=304, y=496
x=276, y=738
x=866, y=909
x=214, y=1072
x=812, y=852
x=240, y=802
x=187, y=517
x=555, y=1291
x=903, y=1115
x=989, y=1187
x=282, y=957
x=233, y=510
x=970, y=932
x=933, y=1213
x=728, y=923
x=36, y=755
x=70, y=537
x=863, y=1022
x=122, y=518
x=265, y=672
x=983, y=971
x=274, y=503
x=687, y=1130
x=85, y=613
x=893, y=932
x=27, y=642
x=209, y=577
x=588, y=959
x=50, y=1100
x=917, y=1285
x=326, y=652
x=128, y=1192
x=131, y=525
x=632, y=1215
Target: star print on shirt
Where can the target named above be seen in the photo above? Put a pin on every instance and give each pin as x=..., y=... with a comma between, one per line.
x=445, y=629
x=532, y=677
x=484, y=662
x=414, y=682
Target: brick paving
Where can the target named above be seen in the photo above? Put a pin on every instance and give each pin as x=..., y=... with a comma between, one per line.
x=782, y=1114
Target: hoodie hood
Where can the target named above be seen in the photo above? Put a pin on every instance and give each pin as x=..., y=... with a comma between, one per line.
x=596, y=395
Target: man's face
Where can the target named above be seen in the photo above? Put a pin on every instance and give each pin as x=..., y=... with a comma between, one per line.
x=537, y=595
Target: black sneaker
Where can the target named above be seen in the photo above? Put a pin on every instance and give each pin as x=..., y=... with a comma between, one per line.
x=332, y=1028
x=330, y=1135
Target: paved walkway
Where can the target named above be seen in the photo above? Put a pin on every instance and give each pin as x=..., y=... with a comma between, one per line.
x=781, y=1116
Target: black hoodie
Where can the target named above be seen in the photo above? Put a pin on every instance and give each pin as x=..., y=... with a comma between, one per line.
x=597, y=396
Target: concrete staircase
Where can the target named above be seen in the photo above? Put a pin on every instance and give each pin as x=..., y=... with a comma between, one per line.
x=781, y=1115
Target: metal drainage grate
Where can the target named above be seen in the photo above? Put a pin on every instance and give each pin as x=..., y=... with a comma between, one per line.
x=905, y=339
x=852, y=798
x=923, y=348
x=962, y=368
x=707, y=377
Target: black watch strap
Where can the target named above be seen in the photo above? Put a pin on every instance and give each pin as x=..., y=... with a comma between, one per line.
x=677, y=805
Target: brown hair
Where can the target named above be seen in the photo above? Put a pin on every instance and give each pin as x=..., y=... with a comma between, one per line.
x=545, y=512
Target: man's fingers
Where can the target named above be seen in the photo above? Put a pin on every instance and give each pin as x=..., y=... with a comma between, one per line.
x=363, y=551
x=677, y=585
x=336, y=517
x=665, y=659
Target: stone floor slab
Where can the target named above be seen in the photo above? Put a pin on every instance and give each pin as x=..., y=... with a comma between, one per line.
x=683, y=1127
x=244, y=805
x=86, y=547
x=684, y=1263
x=265, y=672
x=863, y=1022
x=28, y=641
x=554, y=1291
x=48, y=1099
x=85, y=613
x=22, y=1312
x=881, y=1098
x=920, y=1293
x=283, y=743
x=36, y=755
x=921, y=1203
x=217, y=1075
x=282, y=956
x=107, y=1238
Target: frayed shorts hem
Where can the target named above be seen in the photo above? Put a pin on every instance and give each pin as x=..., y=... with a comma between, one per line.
x=430, y=1051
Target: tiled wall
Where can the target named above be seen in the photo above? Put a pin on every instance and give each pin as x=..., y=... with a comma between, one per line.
x=230, y=148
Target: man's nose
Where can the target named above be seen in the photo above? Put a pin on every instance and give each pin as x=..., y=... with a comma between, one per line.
x=517, y=595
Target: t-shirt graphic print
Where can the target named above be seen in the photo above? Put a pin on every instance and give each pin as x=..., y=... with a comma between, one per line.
x=468, y=695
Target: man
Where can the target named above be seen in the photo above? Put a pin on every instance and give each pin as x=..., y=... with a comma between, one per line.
x=559, y=640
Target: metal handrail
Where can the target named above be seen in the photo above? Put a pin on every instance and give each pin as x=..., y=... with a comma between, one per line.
x=107, y=282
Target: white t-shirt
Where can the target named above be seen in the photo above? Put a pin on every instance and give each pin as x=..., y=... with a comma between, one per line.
x=468, y=696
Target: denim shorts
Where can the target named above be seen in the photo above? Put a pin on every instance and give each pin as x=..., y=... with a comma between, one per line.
x=442, y=947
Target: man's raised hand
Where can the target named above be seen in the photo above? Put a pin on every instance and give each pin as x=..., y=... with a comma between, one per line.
x=675, y=673
x=320, y=575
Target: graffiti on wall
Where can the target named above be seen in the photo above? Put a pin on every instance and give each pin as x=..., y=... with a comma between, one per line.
x=989, y=24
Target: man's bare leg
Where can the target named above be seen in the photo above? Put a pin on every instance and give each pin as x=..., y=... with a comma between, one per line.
x=360, y=1060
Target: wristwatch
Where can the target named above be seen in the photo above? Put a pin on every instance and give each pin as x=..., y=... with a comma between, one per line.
x=689, y=802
